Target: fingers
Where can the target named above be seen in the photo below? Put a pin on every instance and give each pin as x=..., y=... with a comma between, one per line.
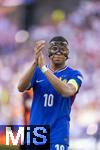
x=40, y=42
x=41, y=60
x=39, y=46
x=38, y=55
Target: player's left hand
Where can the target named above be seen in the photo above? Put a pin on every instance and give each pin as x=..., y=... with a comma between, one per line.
x=41, y=61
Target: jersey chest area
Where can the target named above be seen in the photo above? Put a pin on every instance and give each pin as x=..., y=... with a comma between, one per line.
x=44, y=85
x=46, y=92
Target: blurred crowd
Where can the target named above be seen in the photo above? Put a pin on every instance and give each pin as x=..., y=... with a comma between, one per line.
x=81, y=28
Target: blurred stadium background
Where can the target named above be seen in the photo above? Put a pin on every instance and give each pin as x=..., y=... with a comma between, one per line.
x=24, y=21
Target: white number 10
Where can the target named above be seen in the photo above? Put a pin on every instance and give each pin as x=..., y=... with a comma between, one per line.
x=59, y=147
x=48, y=100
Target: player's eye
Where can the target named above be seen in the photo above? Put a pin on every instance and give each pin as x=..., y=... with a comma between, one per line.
x=54, y=48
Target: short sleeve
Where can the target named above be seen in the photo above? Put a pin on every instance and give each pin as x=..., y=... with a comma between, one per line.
x=77, y=76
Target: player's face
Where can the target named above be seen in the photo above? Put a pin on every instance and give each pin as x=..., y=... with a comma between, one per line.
x=58, y=59
x=58, y=53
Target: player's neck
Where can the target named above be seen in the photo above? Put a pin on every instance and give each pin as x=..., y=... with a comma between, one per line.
x=57, y=67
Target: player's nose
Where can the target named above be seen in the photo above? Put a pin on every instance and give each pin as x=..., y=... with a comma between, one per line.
x=58, y=53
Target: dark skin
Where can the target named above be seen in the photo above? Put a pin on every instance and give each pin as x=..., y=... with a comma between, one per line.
x=57, y=61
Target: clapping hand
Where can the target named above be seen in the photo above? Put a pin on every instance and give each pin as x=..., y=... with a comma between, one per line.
x=39, y=58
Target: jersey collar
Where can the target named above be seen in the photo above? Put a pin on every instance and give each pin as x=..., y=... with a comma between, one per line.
x=59, y=70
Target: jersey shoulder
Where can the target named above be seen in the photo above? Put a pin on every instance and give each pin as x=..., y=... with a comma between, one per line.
x=74, y=71
x=75, y=75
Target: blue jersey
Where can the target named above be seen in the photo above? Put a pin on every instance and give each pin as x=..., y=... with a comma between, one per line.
x=51, y=108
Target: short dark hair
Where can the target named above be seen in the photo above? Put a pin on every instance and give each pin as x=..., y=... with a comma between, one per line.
x=58, y=38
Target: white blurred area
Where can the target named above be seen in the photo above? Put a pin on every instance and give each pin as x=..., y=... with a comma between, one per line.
x=81, y=27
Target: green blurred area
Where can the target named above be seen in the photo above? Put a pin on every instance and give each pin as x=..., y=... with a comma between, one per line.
x=4, y=147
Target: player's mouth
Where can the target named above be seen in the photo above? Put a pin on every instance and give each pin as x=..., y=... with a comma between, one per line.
x=57, y=57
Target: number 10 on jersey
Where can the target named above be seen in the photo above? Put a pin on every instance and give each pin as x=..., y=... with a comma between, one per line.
x=48, y=100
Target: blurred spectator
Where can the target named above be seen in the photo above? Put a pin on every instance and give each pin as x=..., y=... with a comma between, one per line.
x=8, y=30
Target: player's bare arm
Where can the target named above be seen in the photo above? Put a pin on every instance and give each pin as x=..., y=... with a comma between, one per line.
x=25, y=81
x=65, y=90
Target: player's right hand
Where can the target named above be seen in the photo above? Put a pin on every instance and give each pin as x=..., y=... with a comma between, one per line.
x=38, y=47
